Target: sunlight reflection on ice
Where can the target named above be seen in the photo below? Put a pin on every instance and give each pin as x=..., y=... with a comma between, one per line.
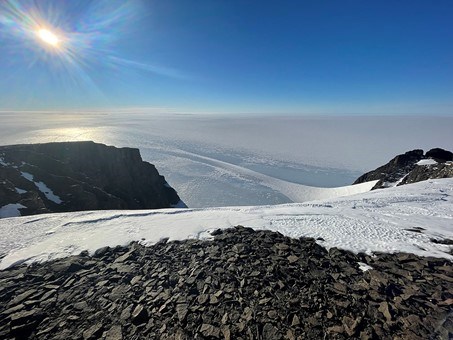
x=207, y=158
x=71, y=134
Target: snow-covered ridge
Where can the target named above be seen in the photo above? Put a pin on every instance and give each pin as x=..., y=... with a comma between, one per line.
x=405, y=218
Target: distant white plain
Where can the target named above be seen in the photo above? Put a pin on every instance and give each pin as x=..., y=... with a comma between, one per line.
x=214, y=160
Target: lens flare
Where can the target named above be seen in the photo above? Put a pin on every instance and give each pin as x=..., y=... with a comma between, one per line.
x=75, y=49
x=70, y=47
x=48, y=37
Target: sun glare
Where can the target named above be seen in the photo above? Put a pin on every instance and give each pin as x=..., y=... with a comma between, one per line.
x=63, y=44
x=48, y=37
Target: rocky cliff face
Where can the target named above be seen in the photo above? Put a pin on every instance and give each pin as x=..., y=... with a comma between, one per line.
x=410, y=167
x=72, y=176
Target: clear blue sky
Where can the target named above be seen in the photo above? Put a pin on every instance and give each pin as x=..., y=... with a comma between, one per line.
x=389, y=57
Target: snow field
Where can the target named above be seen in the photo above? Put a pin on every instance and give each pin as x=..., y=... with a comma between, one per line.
x=405, y=218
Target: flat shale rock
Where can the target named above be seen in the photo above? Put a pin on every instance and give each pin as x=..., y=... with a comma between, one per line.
x=244, y=284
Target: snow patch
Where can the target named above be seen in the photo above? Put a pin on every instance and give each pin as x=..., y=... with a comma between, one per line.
x=48, y=192
x=364, y=267
x=11, y=210
x=43, y=188
x=400, y=180
x=20, y=191
x=393, y=184
x=27, y=176
x=428, y=161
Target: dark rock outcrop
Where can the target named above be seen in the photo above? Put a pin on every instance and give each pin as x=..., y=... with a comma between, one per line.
x=394, y=170
x=244, y=284
x=73, y=176
x=403, y=169
x=440, y=155
x=424, y=172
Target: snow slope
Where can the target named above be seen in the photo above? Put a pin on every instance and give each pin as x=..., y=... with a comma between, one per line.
x=297, y=193
x=404, y=218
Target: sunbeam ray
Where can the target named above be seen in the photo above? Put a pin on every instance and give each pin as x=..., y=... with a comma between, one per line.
x=72, y=48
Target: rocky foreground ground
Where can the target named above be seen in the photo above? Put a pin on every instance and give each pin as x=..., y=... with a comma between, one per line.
x=244, y=284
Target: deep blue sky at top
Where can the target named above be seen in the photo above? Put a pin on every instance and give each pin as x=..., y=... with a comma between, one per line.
x=371, y=57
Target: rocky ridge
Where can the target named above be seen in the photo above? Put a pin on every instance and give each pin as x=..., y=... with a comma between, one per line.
x=243, y=284
x=74, y=176
x=410, y=168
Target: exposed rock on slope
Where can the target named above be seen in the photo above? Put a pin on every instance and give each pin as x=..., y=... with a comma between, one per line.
x=429, y=171
x=440, y=155
x=242, y=285
x=411, y=167
x=73, y=176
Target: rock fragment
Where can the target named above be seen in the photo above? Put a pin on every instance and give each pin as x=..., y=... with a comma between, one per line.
x=197, y=289
x=139, y=315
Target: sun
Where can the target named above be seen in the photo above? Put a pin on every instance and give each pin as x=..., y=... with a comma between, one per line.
x=48, y=37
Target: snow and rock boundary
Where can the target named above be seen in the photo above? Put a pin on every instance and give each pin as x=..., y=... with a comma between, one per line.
x=241, y=284
x=415, y=218
x=411, y=167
